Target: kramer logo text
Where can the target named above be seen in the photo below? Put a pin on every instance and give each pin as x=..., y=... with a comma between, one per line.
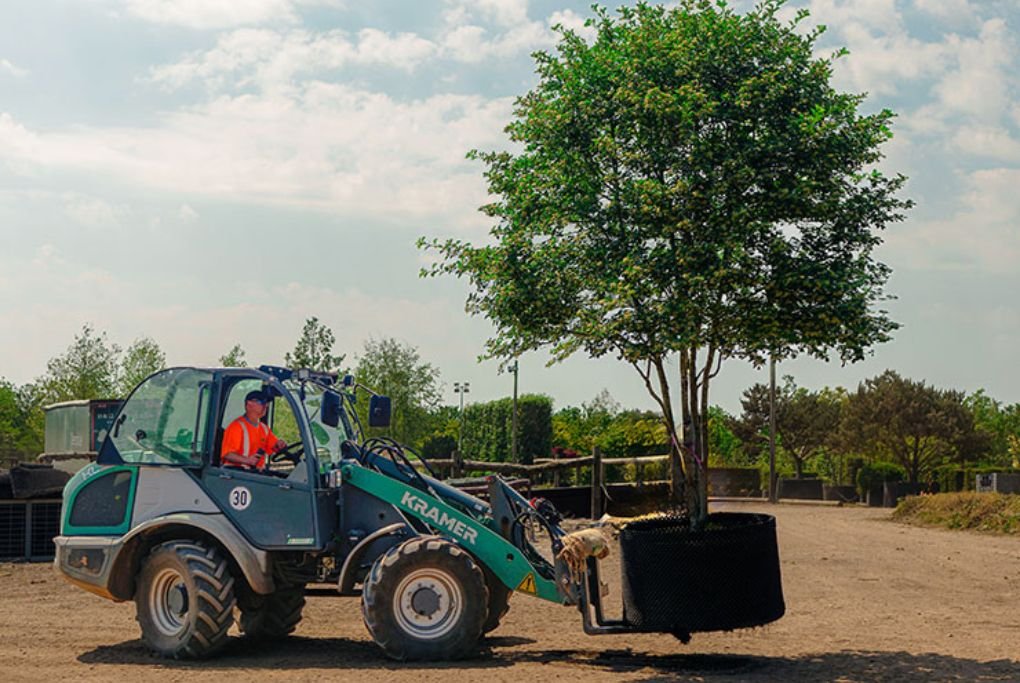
x=439, y=518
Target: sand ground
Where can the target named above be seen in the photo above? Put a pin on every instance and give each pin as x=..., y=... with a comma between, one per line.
x=867, y=600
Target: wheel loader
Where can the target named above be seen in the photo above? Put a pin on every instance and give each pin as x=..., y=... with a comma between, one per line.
x=160, y=520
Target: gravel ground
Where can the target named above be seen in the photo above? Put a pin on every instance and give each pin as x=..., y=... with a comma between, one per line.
x=867, y=600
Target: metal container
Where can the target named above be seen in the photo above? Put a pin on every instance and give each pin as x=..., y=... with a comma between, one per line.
x=78, y=427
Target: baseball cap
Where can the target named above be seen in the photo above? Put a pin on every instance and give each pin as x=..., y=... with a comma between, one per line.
x=260, y=396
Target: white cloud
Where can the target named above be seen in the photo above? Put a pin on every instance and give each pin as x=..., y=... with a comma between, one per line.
x=572, y=21
x=983, y=235
x=269, y=59
x=320, y=146
x=991, y=142
x=472, y=43
x=979, y=86
x=880, y=63
x=216, y=14
x=873, y=14
x=501, y=12
x=404, y=50
x=92, y=212
x=46, y=257
x=951, y=10
x=10, y=69
x=187, y=214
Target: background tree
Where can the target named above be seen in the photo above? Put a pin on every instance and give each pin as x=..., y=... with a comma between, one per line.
x=997, y=424
x=914, y=425
x=21, y=422
x=234, y=358
x=807, y=422
x=314, y=349
x=488, y=429
x=688, y=183
x=395, y=369
x=87, y=370
x=141, y=359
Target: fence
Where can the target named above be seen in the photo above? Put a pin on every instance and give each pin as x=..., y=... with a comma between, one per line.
x=27, y=528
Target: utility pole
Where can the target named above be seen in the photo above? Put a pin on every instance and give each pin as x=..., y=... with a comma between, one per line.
x=461, y=388
x=513, y=435
x=773, y=493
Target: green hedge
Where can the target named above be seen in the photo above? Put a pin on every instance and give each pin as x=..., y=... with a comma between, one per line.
x=488, y=429
x=877, y=473
x=953, y=478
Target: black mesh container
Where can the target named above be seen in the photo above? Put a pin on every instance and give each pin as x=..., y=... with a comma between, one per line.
x=724, y=577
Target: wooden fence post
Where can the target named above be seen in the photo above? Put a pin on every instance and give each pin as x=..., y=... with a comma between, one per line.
x=457, y=469
x=596, y=484
x=556, y=472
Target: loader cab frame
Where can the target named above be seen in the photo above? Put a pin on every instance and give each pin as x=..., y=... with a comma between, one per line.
x=176, y=418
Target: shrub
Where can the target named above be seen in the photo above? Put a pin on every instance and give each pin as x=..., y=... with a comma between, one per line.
x=877, y=473
x=990, y=512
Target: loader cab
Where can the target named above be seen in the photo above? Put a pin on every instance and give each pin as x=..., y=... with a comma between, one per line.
x=275, y=508
x=176, y=418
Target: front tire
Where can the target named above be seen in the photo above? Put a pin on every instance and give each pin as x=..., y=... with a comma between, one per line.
x=185, y=600
x=499, y=602
x=425, y=599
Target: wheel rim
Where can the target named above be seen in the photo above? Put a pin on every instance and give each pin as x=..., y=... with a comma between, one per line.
x=168, y=602
x=428, y=604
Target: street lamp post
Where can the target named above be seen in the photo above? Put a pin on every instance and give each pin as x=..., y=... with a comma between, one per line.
x=513, y=435
x=461, y=388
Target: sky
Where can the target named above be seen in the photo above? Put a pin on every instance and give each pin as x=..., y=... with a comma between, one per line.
x=214, y=172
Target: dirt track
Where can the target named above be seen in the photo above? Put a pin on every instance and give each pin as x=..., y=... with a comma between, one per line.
x=867, y=600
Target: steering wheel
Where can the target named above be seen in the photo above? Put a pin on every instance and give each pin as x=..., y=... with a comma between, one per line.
x=292, y=452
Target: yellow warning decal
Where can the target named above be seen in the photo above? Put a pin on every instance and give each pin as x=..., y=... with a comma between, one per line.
x=527, y=585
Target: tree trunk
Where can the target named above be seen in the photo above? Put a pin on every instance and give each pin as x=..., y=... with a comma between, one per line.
x=696, y=442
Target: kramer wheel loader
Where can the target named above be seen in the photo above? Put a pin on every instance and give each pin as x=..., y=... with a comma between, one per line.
x=159, y=519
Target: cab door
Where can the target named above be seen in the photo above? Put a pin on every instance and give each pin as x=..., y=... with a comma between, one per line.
x=275, y=509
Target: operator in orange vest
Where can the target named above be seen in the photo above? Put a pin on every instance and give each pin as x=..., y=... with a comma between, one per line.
x=247, y=441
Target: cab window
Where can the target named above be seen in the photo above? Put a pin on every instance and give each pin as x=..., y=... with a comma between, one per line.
x=280, y=418
x=164, y=421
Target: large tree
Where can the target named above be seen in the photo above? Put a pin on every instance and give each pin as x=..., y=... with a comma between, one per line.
x=390, y=367
x=141, y=359
x=689, y=185
x=916, y=425
x=807, y=422
x=88, y=369
x=314, y=349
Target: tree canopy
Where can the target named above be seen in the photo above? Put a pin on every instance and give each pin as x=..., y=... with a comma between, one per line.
x=687, y=183
x=234, y=358
x=806, y=421
x=390, y=367
x=88, y=369
x=314, y=349
x=141, y=359
x=912, y=423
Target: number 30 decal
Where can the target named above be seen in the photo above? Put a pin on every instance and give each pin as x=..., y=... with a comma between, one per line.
x=240, y=498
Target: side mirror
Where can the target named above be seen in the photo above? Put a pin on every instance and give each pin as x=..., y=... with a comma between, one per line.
x=330, y=411
x=379, y=411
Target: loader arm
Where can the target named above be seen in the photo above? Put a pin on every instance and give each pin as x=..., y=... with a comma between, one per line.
x=500, y=556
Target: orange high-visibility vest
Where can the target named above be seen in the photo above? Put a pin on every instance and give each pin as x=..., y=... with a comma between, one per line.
x=244, y=438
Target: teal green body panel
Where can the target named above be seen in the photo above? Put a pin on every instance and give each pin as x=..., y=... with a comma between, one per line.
x=498, y=554
x=78, y=482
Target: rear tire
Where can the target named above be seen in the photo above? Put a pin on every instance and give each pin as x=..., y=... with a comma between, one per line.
x=271, y=616
x=185, y=600
x=425, y=599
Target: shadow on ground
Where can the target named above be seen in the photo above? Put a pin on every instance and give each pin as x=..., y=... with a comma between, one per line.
x=297, y=654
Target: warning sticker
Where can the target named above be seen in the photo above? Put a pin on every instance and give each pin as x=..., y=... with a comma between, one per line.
x=527, y=585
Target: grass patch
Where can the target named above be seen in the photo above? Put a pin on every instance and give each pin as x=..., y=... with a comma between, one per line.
x=989, y=512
